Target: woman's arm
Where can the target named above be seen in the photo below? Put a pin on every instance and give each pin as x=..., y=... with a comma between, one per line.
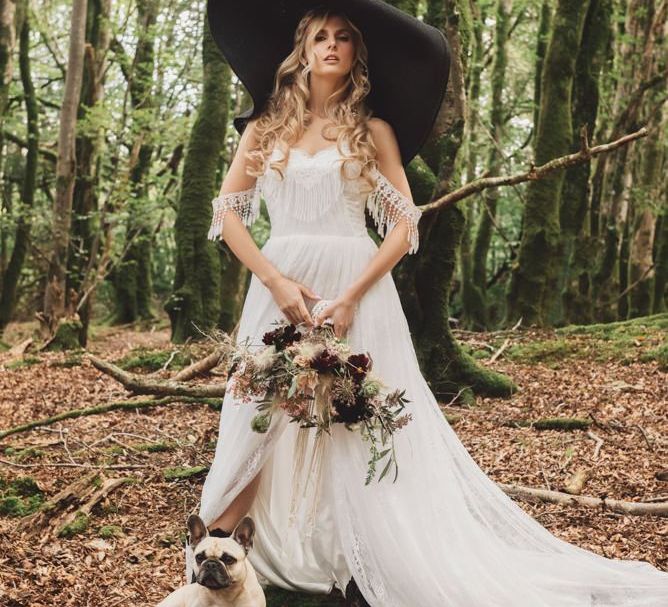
x=401, y=238
x=237, y=185
x=395, y=244
x=234, y=232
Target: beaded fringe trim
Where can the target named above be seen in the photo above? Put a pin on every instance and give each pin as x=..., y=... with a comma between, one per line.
x=246, y=204
x=388, y=205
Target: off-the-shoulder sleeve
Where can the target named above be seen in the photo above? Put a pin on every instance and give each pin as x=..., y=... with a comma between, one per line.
x=246, y=204
x=388, y=205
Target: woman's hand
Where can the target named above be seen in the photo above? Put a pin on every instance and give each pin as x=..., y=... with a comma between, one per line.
x=341, y=312
x=289, y=297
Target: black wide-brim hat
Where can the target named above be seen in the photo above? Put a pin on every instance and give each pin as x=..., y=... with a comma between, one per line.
x=409, y=61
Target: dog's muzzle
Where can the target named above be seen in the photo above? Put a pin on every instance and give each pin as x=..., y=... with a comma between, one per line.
x=213, y=575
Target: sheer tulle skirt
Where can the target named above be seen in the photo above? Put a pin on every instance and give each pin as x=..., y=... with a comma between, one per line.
x=444, y=534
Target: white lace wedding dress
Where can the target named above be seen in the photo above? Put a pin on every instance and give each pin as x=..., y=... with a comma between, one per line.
x=444, y=534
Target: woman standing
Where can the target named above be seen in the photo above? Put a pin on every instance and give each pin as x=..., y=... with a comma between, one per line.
x=443, y=533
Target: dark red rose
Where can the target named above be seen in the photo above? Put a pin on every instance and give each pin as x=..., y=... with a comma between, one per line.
x=358, y=366
x=352, y=413
x=282, y=337
x=326, y=361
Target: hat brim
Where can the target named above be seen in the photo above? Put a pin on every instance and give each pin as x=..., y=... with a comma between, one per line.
x=409, y=61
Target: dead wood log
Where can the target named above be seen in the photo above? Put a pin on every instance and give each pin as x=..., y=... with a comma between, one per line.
x=201, y=366
x=557, y=497
x=126, y=404
x=551, y=423
x=576, y=483
x=74, y=503
x=138, y=384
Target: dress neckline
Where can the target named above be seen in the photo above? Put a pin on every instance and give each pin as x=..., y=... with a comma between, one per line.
x=308, y=154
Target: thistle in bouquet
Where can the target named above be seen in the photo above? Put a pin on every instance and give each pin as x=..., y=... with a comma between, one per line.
x=315, y=378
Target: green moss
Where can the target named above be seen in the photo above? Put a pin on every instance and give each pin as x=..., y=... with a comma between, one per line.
x=78, y=525
x=114, y=450
x=20, y=496
x=25, y=361
x=109, y=531
x=67, y=336
x=156, y=447
x=183, y=472
x=660, y=355
x=552, y=423
x=153, y=360
x=542, y=351
x=278, y=597
x=73, y=360
x=21, y=455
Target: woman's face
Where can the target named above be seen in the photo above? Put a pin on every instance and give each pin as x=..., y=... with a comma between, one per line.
x=333, y=48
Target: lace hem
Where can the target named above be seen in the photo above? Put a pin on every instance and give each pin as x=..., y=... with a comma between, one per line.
x=246, y=204
x=388, y=206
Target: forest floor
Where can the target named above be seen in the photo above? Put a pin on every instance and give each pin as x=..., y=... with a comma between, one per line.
x=129, y=550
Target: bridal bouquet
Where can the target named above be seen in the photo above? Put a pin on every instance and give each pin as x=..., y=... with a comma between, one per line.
x=312, y=375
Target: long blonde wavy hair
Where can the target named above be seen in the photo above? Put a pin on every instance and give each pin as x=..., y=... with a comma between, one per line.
x=286, y=116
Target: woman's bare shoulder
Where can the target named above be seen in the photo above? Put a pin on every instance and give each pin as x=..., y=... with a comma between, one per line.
x=383, y=138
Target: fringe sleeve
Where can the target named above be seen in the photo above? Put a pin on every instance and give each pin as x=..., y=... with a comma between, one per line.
x=388, y=205
x=246, y=204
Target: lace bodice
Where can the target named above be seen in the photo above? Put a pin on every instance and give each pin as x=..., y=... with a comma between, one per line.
x=313, y=198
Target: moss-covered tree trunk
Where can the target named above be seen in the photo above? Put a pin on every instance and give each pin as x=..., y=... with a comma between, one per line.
x=533, y=285
x=577, y=240
x=447, y=369
x=661, y=260
x=487, y=217
x=88, y=148
x=12, y=273
x=472, y=298
x=648, y=199
x=132, y=278
x=638, y=49
x=196, y=300
x=544, y=29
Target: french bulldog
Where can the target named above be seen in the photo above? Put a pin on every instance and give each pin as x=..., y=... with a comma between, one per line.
x=224, y=576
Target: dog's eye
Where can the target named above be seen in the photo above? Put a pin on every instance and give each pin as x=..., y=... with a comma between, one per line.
x=199, y=557
x=228, y=559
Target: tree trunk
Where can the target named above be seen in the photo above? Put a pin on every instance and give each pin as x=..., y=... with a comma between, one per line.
x=472, y=298
x=577, y=241
x=448, y=370
x=613, y=181
x=534, y=280
x=544, y=28
x=82, y=257
x=132, y=278
x=54, y=297
x=490, y=197
x=196, y=300
x=12, y=274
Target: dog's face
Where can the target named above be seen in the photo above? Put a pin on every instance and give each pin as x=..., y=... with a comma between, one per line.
x=220, y=562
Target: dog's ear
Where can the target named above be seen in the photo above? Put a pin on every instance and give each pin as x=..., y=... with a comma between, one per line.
x=243, y=533
x=197, y=530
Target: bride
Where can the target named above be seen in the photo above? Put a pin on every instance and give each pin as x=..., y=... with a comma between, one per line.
x=443, y=534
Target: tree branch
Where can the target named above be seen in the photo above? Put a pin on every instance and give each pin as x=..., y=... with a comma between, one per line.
x=534, y=173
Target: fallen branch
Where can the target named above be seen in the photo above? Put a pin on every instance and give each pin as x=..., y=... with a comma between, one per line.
x=138, y=384
x=201, y=366
x=557, y=497
x=127, y=404
x=534, y=173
